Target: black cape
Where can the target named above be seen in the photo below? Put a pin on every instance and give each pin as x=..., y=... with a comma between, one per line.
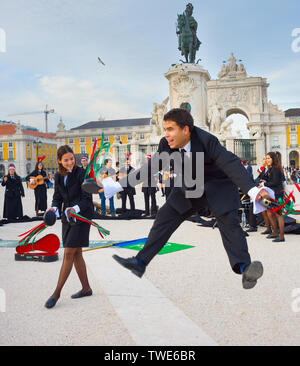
x=12, y=198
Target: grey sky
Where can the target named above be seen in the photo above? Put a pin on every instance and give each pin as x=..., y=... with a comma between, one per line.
x=52, y=49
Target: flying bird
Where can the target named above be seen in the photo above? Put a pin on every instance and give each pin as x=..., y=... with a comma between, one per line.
x=100, y=61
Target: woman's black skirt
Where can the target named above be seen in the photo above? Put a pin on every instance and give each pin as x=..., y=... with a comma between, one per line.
x=75, y=236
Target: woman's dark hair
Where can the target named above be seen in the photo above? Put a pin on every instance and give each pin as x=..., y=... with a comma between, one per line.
x=37, y=164
x=60, y=153
x=275, y=161
x=180, y=116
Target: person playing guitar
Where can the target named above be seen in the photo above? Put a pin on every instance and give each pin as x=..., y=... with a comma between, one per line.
x=37, y=180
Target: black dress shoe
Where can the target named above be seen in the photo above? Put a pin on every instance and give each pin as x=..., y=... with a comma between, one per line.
x=251, y=274
x=131, y=264
x=271, y=236
x=278, y=240
x=80, y=294
x=51, y=302
x=266, y=232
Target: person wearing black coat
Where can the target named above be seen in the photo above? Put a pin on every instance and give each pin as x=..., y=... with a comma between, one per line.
x=274, y=180
x=67, y=196
x=128, y=190
x=223, y=174
x=149, y=190
x=40, y=192
x=14, y=190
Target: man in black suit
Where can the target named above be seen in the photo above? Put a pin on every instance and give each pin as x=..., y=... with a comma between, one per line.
x=149, y=191
x=128, y=189
x=223, y=173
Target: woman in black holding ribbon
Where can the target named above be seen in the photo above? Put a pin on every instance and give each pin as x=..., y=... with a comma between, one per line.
x=274, y=180
x=68, y=196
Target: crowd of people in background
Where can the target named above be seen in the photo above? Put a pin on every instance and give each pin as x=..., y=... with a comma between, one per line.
x=164, y=182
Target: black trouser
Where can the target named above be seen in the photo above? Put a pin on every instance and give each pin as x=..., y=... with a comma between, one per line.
x=131, y=200
x=168, y=220
x=252, y=217
x=147, y=194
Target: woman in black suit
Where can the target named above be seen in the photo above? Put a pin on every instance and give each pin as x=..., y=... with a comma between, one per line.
x=14, y=190
x=262, y=178
x=274, y=180
x=67, y=196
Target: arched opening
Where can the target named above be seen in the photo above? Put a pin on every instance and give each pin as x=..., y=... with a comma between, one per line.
x=239, y=124
x=2, y=170
x=294, y=159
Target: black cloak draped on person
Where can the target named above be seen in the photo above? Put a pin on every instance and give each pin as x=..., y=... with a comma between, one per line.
x=40, y=192
x=12, y=198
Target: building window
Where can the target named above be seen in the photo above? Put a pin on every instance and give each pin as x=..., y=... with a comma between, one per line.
x=10, y=144
x=118, y=138
x=71, y=141
x=129, y=137
x=142, y=136
x=10, y=155
x=105, y=138
x=1, y=155
x=293, y=140
x=82, y=149
x=94, y=139
x=293, y=128
x=1, y=145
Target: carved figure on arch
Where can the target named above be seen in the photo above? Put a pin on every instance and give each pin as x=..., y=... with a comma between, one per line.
x=215, y=118
x=159, y=110
x=226, y=129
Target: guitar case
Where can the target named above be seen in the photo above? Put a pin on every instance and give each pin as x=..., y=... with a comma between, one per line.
x=49, y=246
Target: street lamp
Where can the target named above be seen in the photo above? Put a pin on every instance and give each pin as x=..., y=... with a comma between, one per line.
x=37, y=144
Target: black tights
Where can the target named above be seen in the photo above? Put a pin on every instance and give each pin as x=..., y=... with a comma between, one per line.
x=72, y=256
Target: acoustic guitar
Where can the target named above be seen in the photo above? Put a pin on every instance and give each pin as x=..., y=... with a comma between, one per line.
x=37, y=181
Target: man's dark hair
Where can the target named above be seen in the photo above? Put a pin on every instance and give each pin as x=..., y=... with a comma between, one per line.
x=106, y=161
x=181, y=117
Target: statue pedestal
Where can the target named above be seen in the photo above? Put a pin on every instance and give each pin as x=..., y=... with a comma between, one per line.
x=187, y=84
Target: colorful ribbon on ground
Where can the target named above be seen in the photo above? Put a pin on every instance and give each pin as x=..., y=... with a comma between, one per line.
x=102, y=232
x=286, y=205
x=30, y=236
x=95, y=164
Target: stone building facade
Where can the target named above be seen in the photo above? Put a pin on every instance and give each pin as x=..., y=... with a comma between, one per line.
x=21, y=147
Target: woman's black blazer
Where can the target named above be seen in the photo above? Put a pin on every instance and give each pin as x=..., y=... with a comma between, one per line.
x=72, y=194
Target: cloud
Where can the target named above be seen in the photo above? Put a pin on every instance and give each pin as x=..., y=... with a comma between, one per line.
x=76, y=100
x=284, y=85
x=83, y=98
